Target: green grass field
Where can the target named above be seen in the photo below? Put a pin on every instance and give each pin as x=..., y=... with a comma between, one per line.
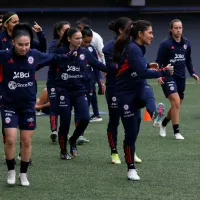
x=170, y=169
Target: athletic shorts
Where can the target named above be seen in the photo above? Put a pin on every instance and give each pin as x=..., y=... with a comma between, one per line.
x=174, y=85
x=24, y=119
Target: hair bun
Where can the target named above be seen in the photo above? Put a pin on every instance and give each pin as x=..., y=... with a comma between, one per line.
x=111, y=25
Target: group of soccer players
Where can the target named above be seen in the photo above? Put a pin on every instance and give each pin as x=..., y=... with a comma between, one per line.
x=75, y=58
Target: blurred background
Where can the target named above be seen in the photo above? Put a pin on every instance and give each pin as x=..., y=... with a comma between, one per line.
x=160, y=13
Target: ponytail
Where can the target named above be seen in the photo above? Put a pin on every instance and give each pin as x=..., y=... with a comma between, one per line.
x=122, y=40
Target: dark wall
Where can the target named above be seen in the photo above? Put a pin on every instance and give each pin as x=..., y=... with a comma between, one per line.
x=100, y=21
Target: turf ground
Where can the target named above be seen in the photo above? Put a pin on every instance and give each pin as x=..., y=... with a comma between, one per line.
x=170, y=169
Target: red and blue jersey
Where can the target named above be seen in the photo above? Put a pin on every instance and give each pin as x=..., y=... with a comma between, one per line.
x=17, y=75
x=71, y=75
x=178, y=54
x=133, y=68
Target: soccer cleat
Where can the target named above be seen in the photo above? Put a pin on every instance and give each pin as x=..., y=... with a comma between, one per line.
x=132, y=175
x=11, y=180
x=115, y=158
x=23, y=179
x=73, y=150
x=159, y=115
x=54, y=136
x=178, y=136
x=95, y=118
x=82, y=140
x=162, y=132
x=136, y=159
x=65, y=156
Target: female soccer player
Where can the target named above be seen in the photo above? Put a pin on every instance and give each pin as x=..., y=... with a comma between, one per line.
x=117, y=27
x=132, y=90
x=10, y=19
x=87, y=35
x=58, y=31
x=177, y=51
x=71, y=91
x=18, y=85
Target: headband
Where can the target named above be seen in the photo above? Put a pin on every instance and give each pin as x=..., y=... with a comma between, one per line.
x=9, y=19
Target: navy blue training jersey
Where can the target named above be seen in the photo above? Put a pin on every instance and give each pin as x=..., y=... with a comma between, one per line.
x=178, y=54
x=72, y=74
x=133, y=69
x=52, y=46
x=51, y=75
x=112, y=67
x=89, y=72
x=6, y=42
x=17, y=75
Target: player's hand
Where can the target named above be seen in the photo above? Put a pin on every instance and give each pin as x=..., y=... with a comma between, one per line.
x=153, y=66
x=196, y=78
x=75, y=53
x=170, y=68
x=160, y=81
x=36, y=27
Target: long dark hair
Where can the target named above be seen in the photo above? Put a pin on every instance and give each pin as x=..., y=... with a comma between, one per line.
x=119, y=23
x=172, y=24
x=22, y=29
x=129, y=33
x=68, y=33
x=57, y=27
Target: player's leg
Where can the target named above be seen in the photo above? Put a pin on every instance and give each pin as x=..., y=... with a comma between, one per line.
x=9, y=119
x=128, y=116
x=27, y=125
x=174, y=91
x=113, y=123
x=81, y=108
x=138, y=114
x=53, y=113
x=64, y=109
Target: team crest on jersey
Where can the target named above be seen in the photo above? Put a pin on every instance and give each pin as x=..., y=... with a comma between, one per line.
x=62, y=98
x=126, y=107
x=185, y=46
x=7, y=120
x=114, y=99
x=90, y=49
x=53, y=89
x=30, y=60
x=82, y=57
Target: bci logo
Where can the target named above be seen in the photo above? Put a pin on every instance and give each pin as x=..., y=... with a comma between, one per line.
x=21, y=75
x=73, y=68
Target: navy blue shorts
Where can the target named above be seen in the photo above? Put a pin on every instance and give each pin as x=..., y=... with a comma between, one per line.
x=24, y=119
x=174, y=85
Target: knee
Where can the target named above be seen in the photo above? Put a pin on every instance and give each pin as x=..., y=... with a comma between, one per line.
x=176, y=103
x=26, y=142
x=114, y=121
x=10, y=142
x=130, y=139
